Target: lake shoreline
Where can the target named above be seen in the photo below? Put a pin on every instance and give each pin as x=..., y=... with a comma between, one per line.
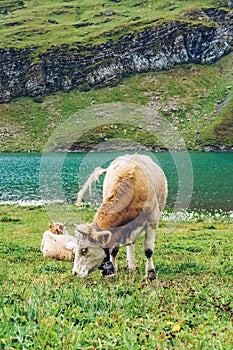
x=57, y=177
x=206, y=149
x=167, y=215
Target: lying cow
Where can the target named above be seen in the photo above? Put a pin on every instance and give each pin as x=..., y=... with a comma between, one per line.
x=134, y=193
x=58, y=244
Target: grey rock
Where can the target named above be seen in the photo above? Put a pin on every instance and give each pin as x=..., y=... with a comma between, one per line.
x=154, y=48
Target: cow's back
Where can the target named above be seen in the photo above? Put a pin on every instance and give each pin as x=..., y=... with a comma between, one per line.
x=150, y=175
x=134, y=190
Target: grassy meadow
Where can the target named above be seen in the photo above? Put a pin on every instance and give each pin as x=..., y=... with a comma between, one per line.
x=44, y=23
x=190, y=306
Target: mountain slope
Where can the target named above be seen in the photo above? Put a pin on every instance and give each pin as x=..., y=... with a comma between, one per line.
x=188, y=96
x=117, y=46
x=94, y=51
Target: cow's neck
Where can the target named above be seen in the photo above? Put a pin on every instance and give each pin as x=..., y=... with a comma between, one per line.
x=95, y=227
x=106, y=266
x=106, y=250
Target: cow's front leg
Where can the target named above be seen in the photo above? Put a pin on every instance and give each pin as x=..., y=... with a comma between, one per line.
x=149, y=249
x=113, y=254
x=130, y=257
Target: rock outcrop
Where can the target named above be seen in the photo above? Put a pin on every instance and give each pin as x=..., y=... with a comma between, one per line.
x=201, y=37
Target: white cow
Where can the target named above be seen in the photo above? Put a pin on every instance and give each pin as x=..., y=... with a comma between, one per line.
x=58, y=244
x=134, y=193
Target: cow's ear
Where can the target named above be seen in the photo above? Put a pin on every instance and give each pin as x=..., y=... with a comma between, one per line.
x=84, y=229
x=52, y=228
x=61, y=227
x=103, y=237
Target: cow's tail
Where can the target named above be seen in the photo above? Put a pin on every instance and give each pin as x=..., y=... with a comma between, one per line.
x=92, y=178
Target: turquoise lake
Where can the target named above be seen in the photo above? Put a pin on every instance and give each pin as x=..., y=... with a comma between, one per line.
x=195, y=180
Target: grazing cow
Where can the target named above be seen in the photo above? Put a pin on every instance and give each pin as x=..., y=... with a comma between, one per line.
x=58, y=244
x=134, y=193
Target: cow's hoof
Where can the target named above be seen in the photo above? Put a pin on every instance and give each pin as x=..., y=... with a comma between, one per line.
x=151, y=276
x=109, y=276
x=131, y=267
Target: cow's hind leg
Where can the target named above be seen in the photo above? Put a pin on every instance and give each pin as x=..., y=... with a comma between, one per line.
x=149, y=249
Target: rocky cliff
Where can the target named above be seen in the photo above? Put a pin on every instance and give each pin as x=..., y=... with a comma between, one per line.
x=200, y=37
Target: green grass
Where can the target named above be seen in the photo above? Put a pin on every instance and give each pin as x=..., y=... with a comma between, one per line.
x=221, y=131
x=189, y=306
x=45, y=23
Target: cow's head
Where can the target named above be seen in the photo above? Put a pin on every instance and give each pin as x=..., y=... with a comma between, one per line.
x=58, y=228
x=90, y=252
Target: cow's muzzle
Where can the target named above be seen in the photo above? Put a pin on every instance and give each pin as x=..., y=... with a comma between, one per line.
x=107, y=267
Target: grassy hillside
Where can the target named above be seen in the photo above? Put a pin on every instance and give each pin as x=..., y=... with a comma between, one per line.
x=189, y=306
x=45, y=23
x=189, y=97
x=220, y=132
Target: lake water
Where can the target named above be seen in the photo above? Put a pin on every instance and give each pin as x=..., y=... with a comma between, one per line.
x=195, y=180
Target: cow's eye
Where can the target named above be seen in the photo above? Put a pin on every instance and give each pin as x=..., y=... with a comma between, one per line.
x=83, y=251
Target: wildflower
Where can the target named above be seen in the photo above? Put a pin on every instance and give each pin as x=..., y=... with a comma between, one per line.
x=169, y=323
x=176, y=328
x=214, y=333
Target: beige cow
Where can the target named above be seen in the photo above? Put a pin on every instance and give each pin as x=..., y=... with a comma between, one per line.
x=134, y=193
x=58, y=244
